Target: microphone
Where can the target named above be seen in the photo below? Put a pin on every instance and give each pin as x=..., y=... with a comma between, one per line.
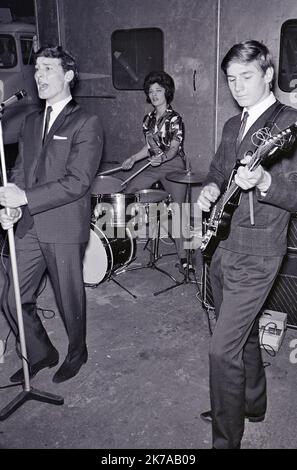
x=13, y=99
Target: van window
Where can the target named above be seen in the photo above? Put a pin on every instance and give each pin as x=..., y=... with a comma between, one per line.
x=287, y=76
x=8, y=56
x=27, y=50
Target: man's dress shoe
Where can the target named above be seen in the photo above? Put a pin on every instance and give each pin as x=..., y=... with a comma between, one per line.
x=207, y=416
x=70, y=368
x=49, y=361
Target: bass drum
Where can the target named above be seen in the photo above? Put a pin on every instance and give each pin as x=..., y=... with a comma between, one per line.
x=106, y=256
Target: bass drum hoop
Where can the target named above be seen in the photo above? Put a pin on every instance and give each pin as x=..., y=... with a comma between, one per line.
x=99, y=241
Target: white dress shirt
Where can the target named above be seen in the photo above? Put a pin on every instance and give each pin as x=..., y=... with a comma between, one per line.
x=57, y=108
x=257, y=110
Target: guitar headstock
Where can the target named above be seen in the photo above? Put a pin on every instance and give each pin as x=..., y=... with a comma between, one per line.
x=283, y=140
x=269, y=144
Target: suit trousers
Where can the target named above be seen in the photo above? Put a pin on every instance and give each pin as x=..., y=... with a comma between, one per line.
x=64, y=264
x=240, y=285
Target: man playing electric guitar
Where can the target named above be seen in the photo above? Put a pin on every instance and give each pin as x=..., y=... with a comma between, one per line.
x=217, y=227
x=245, y=265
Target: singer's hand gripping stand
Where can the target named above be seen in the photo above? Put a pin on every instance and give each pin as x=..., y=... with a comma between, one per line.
x=28, y=392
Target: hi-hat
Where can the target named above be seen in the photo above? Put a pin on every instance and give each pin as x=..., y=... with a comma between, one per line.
x=185, y=176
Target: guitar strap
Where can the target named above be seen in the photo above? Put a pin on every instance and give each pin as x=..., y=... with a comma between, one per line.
x=268, y=125
x=272, y=118
x=277, y=110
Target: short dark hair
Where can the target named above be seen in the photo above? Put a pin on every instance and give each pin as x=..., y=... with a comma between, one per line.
x=164, y=80
x=67, y=60
x=246, y=52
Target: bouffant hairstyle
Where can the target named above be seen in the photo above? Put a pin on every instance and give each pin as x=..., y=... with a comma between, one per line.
x=164, y=80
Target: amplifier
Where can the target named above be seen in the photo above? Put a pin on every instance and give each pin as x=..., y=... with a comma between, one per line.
x=283, y=295
x=292, y=234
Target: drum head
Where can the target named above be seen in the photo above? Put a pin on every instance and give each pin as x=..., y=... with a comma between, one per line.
x=95, y=262
x=152, y=195
x=118, y=198
x=106, y=185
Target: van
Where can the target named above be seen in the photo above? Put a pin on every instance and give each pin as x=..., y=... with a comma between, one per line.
x=17, y=41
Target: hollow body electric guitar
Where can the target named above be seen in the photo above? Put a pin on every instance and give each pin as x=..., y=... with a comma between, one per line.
x=217, y=226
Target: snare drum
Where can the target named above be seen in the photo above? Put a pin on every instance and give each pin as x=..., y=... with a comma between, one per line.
x=152, y=206
x=106, y=256
x=147, y=196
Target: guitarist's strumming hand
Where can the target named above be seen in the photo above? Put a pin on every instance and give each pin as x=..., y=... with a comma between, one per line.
x=208, y=196
x=247, y=179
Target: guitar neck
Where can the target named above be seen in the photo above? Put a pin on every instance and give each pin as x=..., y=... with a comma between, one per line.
x=256, y=159
x=233, y=190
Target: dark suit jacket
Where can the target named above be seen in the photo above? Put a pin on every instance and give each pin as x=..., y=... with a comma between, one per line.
x=268, y=236
x=57, y=177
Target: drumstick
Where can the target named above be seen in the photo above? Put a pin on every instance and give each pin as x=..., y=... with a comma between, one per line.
x=136, y=173
x=113, y=170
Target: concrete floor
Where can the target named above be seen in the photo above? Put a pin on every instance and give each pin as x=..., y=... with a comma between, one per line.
x=146, y=380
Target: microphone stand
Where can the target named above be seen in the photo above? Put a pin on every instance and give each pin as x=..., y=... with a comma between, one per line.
x=28, y=392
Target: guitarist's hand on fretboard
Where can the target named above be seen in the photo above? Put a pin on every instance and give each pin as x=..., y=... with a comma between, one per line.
x=247, y=179
x=208, y=196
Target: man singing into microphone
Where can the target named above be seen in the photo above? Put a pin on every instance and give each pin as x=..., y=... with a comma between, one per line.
x=49, y=196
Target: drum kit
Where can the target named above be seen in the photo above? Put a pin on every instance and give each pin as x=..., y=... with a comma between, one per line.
x=112, y=246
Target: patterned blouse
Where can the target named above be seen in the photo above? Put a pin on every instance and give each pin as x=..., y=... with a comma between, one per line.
x=169, y=127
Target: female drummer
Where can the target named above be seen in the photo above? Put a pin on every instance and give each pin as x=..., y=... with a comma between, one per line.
x=164, y=134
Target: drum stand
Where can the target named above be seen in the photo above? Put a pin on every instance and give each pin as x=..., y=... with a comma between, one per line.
x=156, y=249
x=154, y=253
x=188, y=251
x=120, y=285
x=111, y=278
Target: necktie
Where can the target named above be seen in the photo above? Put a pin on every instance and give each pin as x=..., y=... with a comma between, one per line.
x=46, y=124
x=241, y=130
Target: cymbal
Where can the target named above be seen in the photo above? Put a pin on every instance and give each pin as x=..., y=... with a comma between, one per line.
x=185, y=176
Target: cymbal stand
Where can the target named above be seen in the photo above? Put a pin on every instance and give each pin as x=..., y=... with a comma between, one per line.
x=121, y=285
